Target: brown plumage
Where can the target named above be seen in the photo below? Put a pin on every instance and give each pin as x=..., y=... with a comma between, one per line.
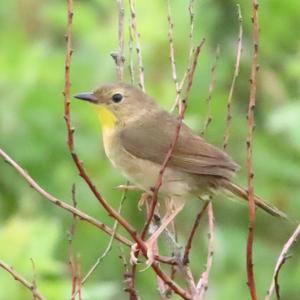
x=141, y=137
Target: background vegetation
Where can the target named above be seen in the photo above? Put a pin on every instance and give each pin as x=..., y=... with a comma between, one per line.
x=32, y=130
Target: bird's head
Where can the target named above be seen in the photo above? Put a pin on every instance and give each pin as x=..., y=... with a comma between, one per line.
x=118, y=103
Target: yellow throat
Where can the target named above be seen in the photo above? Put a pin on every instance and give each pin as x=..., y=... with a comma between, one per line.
x=106, y=117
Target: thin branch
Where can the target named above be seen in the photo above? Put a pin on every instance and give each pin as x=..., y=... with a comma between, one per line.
x=119, y=56
x=281, y=260
x=235, y=76
x=249, y=144
x=130, y=46
x=211, y=88
x=30, y=286
x=81, y=215
x=72, y=258
x=130, y=288
x=109, y=246
x=188, y=246
x=190, y=56
x=202, y=284
x=136, y=36
x=182, y=109
x=34, y=278
x=172, y=52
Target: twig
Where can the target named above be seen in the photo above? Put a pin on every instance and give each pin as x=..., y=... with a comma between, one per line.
x=211, y=88
x=190, y=56
x=72, y=259
x=281, y=260
x=130, y=289
x=182, y=109
x=203, y=281
x=172, y=53
x=235, y=76
x=34, y=278
x=137, y=36
x=188, y=246
x=109, y=246
x=250, y=172
x=30, y=286
x=119, y=56
x=81, y=215
x=130, y=46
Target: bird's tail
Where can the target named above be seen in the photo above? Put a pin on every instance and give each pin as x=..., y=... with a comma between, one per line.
x=242, y=193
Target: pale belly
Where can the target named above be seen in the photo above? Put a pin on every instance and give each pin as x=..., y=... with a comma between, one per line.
x=144, y=173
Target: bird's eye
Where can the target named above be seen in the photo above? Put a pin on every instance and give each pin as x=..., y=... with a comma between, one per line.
x=117, y=97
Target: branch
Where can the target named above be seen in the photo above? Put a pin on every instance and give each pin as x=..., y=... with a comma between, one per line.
x=136, y=35
x=250, y=173
x=172, y=53
x=281, y=260
x=182, y=109
x=81, y=215
x=119, y=56
x=30, y=286
x=188, y=246
x=203, y=281
x=211, y=88
x=235, y=76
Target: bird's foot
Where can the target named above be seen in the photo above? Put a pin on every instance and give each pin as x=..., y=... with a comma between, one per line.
x=151, y=250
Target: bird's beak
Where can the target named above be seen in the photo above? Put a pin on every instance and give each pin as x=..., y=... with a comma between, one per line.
x=87, y=96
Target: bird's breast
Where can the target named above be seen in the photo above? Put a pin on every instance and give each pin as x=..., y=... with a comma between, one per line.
x=141, y=172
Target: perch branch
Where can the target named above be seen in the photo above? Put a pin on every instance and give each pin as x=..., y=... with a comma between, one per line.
x=182, y=109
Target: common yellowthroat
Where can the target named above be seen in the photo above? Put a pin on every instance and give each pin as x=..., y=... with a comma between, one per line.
x=137, y=135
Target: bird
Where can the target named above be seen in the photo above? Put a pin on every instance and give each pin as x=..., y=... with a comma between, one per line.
x=137, y=134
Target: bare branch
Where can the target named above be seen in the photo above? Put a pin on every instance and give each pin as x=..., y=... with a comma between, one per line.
x=188, y=246
x=281, y=260
x=182, y=109
x=109, y=246
x=211, y=88
x=203, y=281
x=30, y=286
x=249, y=144
x=119, y=56
x=136, y=36
x=235, y=76
x=72, y=258
x=172, y=53
x=81, y=215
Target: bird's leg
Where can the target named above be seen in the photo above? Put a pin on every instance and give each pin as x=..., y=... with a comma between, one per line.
x=170, y=234
x=151, y=243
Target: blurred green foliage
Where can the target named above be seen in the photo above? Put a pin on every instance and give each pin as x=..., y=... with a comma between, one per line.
x=33, y=132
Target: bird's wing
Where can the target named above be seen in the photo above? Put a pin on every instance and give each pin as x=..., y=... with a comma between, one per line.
x=150, y=138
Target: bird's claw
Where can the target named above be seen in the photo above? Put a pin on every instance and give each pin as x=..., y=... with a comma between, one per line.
x=151, y=249
x=133, y=258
